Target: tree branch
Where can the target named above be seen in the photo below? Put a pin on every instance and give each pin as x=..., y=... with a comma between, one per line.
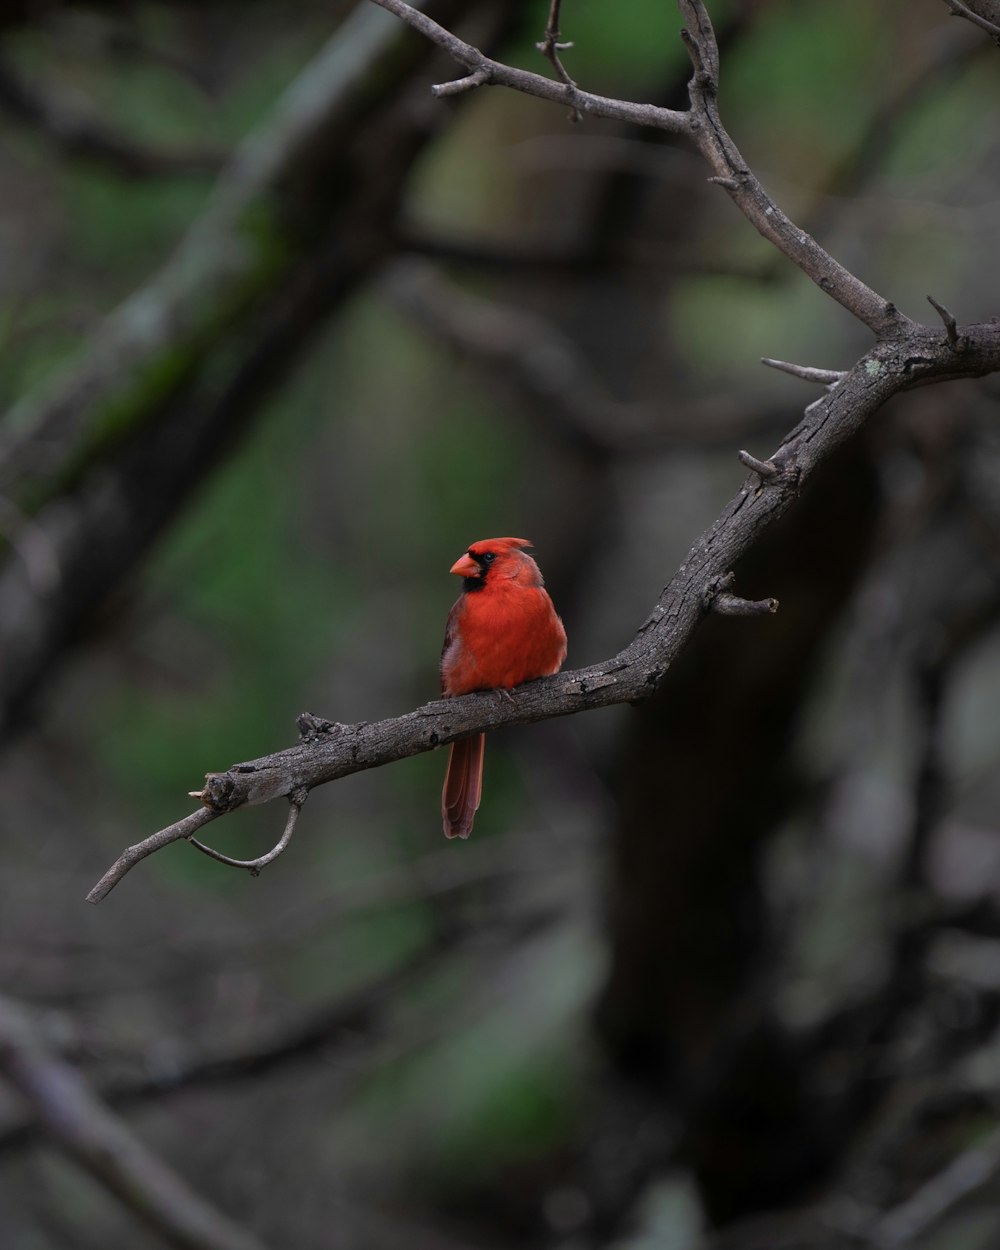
x=703, y=125
x=81, y=1125
x=328, y=751
x=959, y=9
x=488, y=71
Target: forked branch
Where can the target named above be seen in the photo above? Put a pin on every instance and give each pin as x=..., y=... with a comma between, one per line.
x=703, y=125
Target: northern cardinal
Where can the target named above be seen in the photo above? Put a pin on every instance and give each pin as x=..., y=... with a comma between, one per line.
x=502, y=630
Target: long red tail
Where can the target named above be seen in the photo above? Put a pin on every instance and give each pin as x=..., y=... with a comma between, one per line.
x=463, y=785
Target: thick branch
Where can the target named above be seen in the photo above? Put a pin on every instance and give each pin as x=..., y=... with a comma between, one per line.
x=81, y=1125
x=328, y=751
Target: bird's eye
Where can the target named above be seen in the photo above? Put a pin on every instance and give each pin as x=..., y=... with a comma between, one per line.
x=488, y=557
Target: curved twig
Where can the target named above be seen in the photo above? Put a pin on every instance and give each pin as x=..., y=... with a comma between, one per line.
x=295, y=802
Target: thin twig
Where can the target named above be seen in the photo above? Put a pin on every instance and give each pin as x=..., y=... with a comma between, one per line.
x=536, y=84
x=959, y=9
x=295, y=802
x=155, y=842
x=550, y=47
x=828, y=377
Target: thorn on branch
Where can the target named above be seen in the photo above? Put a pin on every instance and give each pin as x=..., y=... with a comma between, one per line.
x=731, y=184
x=950, y=324
x=765, y=469
x=826, y=377
x=460, y=85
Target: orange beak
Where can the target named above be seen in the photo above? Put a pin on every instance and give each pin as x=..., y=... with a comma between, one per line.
x=465, y=566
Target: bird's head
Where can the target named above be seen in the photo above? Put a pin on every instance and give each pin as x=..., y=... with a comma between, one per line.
x=490, y=559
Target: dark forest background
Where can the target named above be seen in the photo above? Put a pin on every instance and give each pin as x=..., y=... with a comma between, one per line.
x=280, y=335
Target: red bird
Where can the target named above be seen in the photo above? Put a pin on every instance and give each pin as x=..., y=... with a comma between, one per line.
x=502, y=630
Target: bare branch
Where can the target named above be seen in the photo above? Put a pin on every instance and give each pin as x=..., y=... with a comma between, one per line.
x=728, y=164
x=959, y=9
x=550, y=47
x=133, y=854
x=81, y=1125
x=477, y=62
x=703, y=124
x=828, y=377
x=328, y=751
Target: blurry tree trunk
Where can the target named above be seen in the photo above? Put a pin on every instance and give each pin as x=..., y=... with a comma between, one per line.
x=707, y=777
x=107, y=453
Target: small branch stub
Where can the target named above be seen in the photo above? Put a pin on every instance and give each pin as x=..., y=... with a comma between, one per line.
x=718, y=599
x=459, y=86
x=765, y=469
x=733, y=605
